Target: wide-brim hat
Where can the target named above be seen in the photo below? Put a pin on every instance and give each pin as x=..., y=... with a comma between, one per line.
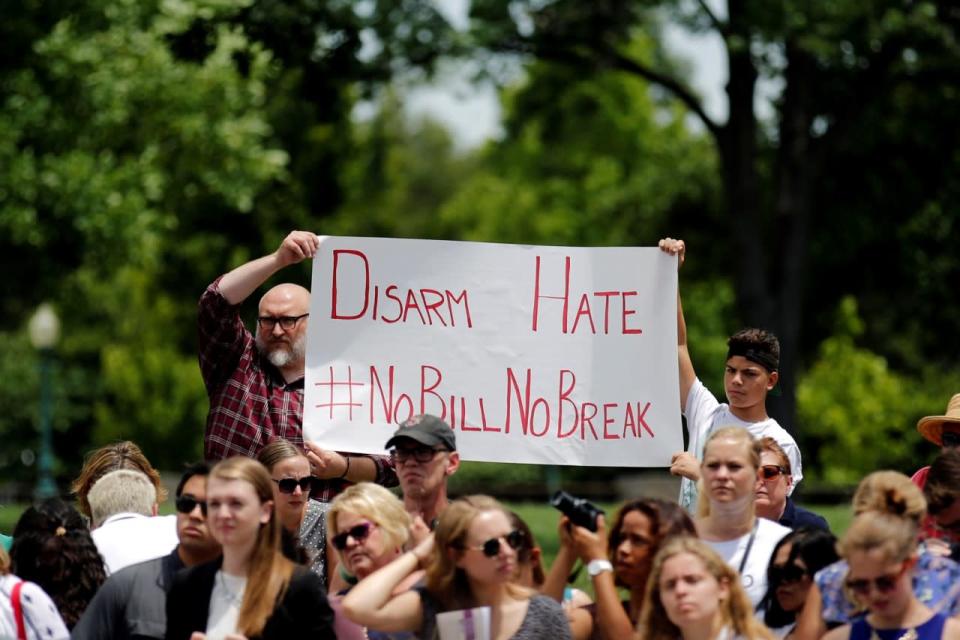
x=931, y=427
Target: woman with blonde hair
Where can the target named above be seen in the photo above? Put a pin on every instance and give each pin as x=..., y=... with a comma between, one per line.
x=935, y=579
x=694, y=594
x=252, y=591
x=303, y=518
x=727, y=512
x=470, y=562
x=369, y=528
x=881, y=552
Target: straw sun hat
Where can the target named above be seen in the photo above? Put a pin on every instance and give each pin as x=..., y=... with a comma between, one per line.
x=932, y=427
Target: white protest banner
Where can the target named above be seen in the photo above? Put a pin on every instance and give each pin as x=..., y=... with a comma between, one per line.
x=551, y=355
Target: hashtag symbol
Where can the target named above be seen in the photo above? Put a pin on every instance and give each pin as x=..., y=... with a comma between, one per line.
x=332, y=384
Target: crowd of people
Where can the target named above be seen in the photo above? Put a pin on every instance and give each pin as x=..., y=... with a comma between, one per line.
x=278, y=537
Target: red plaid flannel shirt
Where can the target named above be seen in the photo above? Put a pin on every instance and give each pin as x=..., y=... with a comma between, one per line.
x=250, y=402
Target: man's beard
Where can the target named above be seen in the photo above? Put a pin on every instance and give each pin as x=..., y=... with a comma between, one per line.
x=283, y=354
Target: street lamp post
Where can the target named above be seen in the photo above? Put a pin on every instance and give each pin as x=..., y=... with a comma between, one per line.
x=44, y=330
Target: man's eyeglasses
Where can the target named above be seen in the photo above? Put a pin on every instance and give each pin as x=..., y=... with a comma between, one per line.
x=950, y=439
x=771, y=471
x=420, y=454
x=286, y=322
x=358, y=533
x=187, y=503
x=785, y=573
x=883, y=584
x=491, y=547
x=289, y=485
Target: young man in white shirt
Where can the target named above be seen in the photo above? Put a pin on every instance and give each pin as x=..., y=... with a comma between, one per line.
x=750, y=374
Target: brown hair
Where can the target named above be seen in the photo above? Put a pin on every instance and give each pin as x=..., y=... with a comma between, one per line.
x=769, y=444
x=269, y=571
x=756, y=345
x=895, y=536
x=444, y=580
x=118, y=455
x=943, y=481
x=890, y=492
x=667, y=519
x=525, y=550
x=4, y=562
x=736, y=612
x=751, y=448
x=277, y=451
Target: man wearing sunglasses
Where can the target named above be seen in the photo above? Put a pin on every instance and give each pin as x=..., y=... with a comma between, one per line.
x=942, y=491
x=424, y=450
x=132, y=602
x=255, y=383
x=943, y=431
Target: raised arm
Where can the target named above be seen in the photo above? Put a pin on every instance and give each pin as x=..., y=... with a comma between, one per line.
x=687, y=375
x=237, y=285
x=371, y=603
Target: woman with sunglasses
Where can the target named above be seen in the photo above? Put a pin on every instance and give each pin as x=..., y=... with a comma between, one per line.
x=252, y=590
x=773, y=490
x=936, y=580
x=302, y=517
x=881, y=553
x=369, y=528
x=693, y=594
x=470, y=562
x=622, y=559
x=796, y=559
x=727, y=509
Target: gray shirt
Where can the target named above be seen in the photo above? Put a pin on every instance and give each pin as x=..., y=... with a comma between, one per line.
x=131, y=603
x=545, y=619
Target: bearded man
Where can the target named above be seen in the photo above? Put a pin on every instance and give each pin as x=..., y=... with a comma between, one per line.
x=255, y=384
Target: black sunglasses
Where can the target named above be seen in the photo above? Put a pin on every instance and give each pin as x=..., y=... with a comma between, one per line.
x=187, y=503
x=771, y=471
x=950, y=439
x=286, y=322
x=491, y=547
x=420, y=454
x=358, y=533
x=784, y=573
x=289, y=485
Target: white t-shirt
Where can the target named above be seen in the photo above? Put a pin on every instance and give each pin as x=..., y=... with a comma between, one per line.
x=754, y=574
x=131, y=538
x=704, y=414
x=41, y=620
x=225, y=601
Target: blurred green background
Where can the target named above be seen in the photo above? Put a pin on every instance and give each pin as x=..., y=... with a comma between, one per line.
x=148, y=146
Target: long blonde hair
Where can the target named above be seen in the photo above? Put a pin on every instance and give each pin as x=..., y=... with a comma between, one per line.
x=889, y=509
x=269, y=573
x=444, y=580
x=736, y=612
x=752, y=448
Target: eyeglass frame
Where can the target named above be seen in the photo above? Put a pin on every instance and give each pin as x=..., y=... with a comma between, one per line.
x=283, y=321
x=953, y=435
x=359, y=532
x=400, y=456
x=786, y=573
x=310, y=480
x=186, y=503
x=762, y=472
x=884, y=584
x=491, y=548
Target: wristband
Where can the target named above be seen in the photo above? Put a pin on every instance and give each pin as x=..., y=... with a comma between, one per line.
x=346, y=470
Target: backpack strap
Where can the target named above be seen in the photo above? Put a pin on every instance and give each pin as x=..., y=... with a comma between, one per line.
x=18, y=611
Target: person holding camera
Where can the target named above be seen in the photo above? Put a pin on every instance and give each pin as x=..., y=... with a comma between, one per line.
x=621, y=559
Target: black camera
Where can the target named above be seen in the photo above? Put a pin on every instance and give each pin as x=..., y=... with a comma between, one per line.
x=580, y=511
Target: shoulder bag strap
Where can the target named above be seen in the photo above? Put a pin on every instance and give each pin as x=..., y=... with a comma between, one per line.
x=18, y=611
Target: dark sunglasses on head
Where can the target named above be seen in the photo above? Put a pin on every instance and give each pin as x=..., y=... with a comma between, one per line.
x=771, y=471
x=491, y=547
x=358, y=533
x=950, y=439
x=187, y=503
x=883, y=584
x=784, y=573
x=289, y=485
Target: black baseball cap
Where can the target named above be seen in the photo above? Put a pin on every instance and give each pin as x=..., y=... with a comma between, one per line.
x=425, y=429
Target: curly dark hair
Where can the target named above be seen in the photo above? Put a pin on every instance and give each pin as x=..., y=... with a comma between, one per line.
x=53, y=548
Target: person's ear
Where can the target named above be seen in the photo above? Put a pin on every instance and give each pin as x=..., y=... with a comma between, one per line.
x=266, y=511
x=453, y=463
x=724, y=593
x=772, y=380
